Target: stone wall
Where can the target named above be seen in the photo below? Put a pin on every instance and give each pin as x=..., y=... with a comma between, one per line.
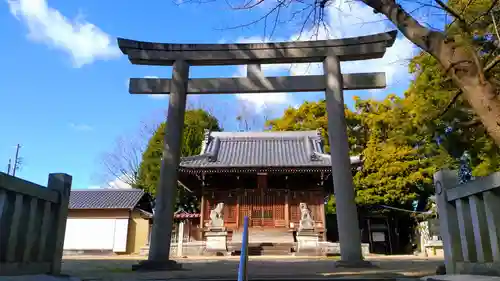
x=197, y=248
x=333, y=248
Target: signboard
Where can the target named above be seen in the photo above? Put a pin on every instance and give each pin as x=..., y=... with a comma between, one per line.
x=378, y=236
x=434, y=227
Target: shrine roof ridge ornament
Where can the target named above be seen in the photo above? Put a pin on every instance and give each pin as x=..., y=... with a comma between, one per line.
x=354, y=48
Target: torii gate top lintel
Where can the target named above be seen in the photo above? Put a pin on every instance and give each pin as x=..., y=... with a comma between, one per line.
x=347, y=49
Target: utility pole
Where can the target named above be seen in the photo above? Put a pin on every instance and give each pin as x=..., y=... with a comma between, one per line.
x=16, y=160
x=8, y=167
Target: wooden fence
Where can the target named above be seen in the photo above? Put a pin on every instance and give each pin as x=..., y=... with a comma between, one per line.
x=469, y=216
x=32, y=224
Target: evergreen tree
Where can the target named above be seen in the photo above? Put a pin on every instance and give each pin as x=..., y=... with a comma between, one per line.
x=195, y=123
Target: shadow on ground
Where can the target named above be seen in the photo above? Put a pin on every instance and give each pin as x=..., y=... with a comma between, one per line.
x=120, y=269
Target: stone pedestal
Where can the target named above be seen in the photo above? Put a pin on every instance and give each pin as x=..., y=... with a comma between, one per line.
x=308, y=243
x=216, y=241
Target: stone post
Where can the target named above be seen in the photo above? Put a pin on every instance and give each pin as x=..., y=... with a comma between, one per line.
x=159, y=249
x=62, y=184
x=347, y=214
x=448, y=220
x=180, y=239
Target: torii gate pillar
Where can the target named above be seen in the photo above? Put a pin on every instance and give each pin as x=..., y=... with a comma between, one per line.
x=347, y=213
x=159, y=252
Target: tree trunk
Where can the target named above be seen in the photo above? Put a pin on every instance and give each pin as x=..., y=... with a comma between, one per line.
x=459, y=60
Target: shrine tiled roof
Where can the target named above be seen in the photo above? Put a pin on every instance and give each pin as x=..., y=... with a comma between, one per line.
x=237, y=150
x=105, y=198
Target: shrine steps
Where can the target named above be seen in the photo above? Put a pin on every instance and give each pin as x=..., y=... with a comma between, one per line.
x=257, y=235
x=264, y=249
x=264, y=241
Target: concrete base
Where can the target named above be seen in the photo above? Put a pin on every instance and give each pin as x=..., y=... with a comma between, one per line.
x=147, y=265
x=216, y=241
x=477, y=268
x=333, y=248
x=42, y=277
x=460, y=277
x=354, y=264
x=308, y=243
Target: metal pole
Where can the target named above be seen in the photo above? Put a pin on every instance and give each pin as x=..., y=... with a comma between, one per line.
x=16, y=159
x=242, y=270
x=8, y=166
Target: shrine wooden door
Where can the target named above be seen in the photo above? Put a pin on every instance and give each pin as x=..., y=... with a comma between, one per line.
x=251, y=206
x=264, y=208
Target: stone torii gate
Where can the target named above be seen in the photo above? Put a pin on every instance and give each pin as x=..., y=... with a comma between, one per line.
x=181, y=56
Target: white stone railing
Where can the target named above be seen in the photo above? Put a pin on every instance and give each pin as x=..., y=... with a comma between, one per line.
x=430, y=242
x=32, y=224
x=469, y=216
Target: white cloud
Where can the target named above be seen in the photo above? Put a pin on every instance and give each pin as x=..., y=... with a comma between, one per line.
x=82, y=40
x=260, y=101
x=158, y=96
x=81, y=127
x=357, y=19
x=117, y=183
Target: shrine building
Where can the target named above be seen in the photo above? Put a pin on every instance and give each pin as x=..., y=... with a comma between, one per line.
x=262, y=175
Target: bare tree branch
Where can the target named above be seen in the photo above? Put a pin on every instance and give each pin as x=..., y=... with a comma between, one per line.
x=123, y=162
x=494, y=25
x=456, y=15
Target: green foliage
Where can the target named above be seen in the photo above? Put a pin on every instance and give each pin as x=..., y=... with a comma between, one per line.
x=397, y=137
x=195, y=122
x=480, y=31
x=393, y=169
x=433, y=111
x=312, y=116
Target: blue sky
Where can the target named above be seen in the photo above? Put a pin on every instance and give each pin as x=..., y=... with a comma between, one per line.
x=65, y=97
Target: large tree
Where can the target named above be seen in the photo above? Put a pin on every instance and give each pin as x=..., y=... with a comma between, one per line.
x=441, y=115
x=396, y=171
x=467, y=48
x=312, y=116
x=196, y=122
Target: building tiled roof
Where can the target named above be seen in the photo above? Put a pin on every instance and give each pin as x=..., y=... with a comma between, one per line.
x=299, y=149
x=105, y=198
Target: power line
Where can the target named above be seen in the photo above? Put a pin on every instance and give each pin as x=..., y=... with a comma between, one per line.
x=405, y=210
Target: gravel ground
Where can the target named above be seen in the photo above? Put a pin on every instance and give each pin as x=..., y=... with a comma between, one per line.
x=119, y=268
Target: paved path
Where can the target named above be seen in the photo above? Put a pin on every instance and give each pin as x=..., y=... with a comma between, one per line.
x=108, y=269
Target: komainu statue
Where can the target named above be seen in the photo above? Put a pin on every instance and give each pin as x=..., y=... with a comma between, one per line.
x=306, y=221
x=216, y=217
